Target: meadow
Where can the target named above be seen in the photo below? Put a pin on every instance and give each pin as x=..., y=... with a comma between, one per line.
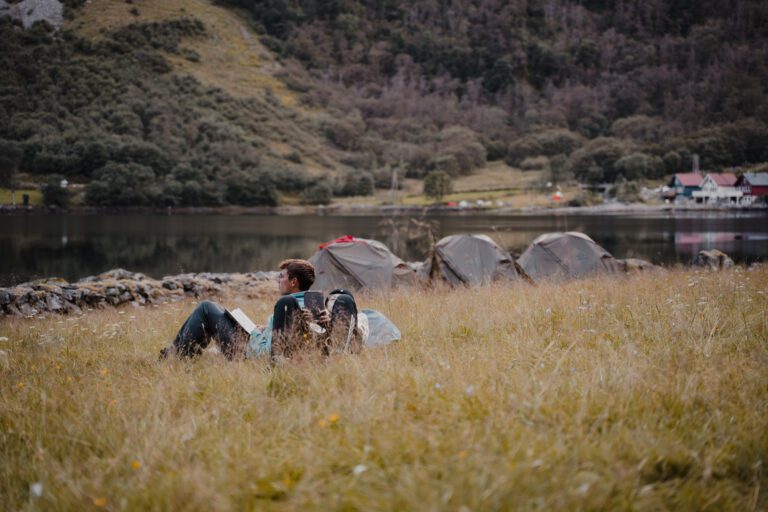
x=646, y=392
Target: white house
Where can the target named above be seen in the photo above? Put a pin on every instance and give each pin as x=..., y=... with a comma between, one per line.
x=718, y=188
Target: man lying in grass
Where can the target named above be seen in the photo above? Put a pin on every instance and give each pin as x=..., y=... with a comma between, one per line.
x=286, y=331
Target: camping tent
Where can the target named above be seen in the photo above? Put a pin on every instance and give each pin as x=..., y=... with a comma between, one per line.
x=357, y=263
x=469, y=259
x=565, y=255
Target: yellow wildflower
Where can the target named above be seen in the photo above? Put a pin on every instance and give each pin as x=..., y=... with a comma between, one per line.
x=100, y=502
x=333, y=418
x=136, y=464
x=104, y=372
x=20, y=385
x=322, y=423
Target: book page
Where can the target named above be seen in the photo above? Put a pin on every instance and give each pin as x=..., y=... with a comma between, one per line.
x=242, y=319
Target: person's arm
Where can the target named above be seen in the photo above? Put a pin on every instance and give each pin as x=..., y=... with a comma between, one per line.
x=260, y=343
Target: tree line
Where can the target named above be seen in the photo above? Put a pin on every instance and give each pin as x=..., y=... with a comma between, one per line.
x=635, y=87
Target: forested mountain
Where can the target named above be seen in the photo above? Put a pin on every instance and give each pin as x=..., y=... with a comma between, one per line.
x=589, y=90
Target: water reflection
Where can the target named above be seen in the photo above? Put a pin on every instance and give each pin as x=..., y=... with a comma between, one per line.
x=75, y=246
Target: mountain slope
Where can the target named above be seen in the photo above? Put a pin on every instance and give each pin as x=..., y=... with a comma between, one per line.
x=189, y=102
x=158, y=108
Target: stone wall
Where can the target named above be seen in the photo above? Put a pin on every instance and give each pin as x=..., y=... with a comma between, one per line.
x=119, y=286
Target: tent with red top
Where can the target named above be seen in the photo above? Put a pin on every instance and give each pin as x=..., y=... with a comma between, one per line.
x=358, y=264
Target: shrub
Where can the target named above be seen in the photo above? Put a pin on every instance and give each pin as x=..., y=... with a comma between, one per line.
x=463, y=146
x=594, y=163
x=639, y=165
x=251, y=190
x=495, y=150
x=672, y=162
x=535, y=163
x=546, y=143
x=437, y=184
x=146, y=154
x=194, y=187
x=640, y=128
x=344, y=133
x=54, y=194
x=382, y=177
x=355, y=184
x=118, y=184
x=559, y=172
x=10, y=157
x=321, y=193
x=627, y=192
x=446, y=163
x=586, y=199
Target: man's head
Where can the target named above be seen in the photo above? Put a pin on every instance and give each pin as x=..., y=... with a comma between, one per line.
x=295, y=276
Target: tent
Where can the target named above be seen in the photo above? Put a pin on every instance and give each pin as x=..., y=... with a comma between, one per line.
x=357, y=264
x=469, y=259
x=564, y=256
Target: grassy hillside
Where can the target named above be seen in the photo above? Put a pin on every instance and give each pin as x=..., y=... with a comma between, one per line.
x=644, y=392
x=232, y=58
x=195, y=102
x=158, y=108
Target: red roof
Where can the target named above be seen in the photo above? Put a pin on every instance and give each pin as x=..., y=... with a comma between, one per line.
x=726, y=179
x=690, y=179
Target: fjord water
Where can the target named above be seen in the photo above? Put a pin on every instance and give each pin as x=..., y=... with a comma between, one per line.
x=75, y=246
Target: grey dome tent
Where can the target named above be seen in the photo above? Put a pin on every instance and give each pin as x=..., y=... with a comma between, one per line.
x=358, y=264
x=470, y=260
x=564, y=256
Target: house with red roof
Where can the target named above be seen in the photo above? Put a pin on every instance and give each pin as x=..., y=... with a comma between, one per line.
x=754, y=186
x=718, y=187
x=685, y=184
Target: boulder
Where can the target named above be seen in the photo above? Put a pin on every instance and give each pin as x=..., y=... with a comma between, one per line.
x=712, y=260
x=54, y=303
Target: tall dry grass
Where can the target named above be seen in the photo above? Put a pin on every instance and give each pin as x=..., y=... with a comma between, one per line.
x=647, y=392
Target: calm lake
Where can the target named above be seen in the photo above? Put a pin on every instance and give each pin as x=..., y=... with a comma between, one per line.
x=75, y=246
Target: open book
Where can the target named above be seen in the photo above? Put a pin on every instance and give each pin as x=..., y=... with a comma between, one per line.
x=242, y=320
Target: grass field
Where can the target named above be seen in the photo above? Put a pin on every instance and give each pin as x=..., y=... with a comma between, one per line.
x=494, y=182
x=35, y=197
x=646, y=392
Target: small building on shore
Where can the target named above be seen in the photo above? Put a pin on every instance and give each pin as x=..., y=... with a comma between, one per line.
x=684, y=184
x=753, y=186
x=718, y=187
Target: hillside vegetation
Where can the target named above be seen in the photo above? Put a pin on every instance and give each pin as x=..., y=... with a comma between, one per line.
x=645, y=392
x=249, y=101
x=119, y=110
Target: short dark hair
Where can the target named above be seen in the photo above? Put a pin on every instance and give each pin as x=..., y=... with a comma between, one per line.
x=301, y=270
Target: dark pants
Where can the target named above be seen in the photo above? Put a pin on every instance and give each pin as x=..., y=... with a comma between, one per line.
x=210, y=320
x=290, y=334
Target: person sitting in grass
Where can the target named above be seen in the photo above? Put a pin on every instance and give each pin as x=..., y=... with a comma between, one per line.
x=286, y=330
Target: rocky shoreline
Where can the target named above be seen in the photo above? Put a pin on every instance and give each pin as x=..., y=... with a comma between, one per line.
x=117, y=287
